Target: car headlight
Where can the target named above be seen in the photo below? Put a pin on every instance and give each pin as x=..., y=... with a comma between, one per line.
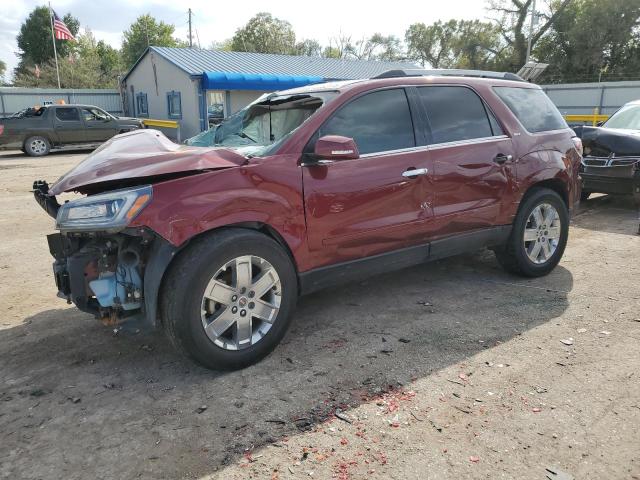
x=104, y=212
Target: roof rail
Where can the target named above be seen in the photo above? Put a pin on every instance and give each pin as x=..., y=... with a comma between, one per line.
x=449, y=72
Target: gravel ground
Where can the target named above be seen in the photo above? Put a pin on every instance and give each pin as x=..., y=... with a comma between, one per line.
x=452, y=369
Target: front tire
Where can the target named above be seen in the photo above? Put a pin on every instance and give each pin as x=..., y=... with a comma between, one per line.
x=37, y=146
x=228, y=299
x=539, y=235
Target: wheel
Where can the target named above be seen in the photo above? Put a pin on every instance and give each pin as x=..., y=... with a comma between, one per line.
x=539, y=235
x=228, y=299
x=584, y=196
x=37, y=146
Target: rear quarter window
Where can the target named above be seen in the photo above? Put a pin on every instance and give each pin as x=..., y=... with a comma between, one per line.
x=532, y=107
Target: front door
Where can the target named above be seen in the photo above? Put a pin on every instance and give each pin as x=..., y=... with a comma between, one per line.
x=473, y=166
x=68, y=126
x=379, y=202
x=98, y=124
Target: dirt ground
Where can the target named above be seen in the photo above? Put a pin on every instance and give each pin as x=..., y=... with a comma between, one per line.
x=449, y=370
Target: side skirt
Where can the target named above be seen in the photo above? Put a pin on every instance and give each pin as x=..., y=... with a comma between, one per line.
x=353, y=270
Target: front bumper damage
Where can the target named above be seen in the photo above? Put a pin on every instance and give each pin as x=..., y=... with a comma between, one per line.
x=113, y=276
x=613, y=174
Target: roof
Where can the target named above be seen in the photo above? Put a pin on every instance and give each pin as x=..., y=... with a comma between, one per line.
x=195, y=61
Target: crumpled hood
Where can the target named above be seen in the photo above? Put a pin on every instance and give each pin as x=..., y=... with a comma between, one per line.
x=142, y=154
x=603, y=141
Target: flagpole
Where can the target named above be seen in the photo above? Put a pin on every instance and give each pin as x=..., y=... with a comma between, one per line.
x=53, y=38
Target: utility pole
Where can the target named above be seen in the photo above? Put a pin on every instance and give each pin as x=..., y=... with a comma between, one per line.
x=190, y=36
x=533, y=16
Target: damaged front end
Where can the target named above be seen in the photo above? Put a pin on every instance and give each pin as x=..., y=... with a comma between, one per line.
x=102, y=265
x=611, y=162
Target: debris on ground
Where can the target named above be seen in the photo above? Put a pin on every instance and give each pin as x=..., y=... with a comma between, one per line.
x=567, y=341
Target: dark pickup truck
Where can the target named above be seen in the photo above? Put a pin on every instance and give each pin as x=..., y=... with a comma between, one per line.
x=37, y=131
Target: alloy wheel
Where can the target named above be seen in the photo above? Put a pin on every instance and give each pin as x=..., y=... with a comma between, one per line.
x=542, y=233
x=241, y=302
x=38, y=146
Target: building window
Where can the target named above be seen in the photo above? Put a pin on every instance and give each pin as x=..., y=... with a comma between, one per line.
x=174, y=105
x=215, y=106
x=142, y=107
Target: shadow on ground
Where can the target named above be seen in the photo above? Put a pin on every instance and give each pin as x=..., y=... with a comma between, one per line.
x=618, y=208
x=78, y=402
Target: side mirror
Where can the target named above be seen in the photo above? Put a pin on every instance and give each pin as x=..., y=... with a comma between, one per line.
x=335, y=147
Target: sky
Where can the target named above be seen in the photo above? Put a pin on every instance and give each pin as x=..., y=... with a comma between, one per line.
x=217, y=21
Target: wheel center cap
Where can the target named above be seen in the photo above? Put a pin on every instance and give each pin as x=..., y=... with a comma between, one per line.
x=242, y=302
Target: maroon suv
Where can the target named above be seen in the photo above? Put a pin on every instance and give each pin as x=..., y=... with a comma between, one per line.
x=307, y=188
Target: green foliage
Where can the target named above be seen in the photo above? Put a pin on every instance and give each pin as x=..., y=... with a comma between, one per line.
x=265, y=34
x=595, y=39
x=309, y=48
x=35, y=42
x=454, y=44
x=146, y=31
x=89, y=64
x=512, y=18
x=3, y=68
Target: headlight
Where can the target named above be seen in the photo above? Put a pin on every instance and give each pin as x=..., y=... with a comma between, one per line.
x=108, y=211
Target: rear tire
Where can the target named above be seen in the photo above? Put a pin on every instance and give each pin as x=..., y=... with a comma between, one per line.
x=212, y=303
x=535, y=246
x=37, y=146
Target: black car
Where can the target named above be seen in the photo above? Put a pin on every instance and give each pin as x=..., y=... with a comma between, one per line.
x=37, y=131
x=611, y=162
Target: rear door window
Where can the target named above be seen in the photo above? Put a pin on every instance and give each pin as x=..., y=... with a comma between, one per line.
x=532, y=107
x=67, y=114
x=378, y=122
x=456, y=113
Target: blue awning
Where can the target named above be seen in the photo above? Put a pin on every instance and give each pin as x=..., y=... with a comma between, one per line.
x=255, y=81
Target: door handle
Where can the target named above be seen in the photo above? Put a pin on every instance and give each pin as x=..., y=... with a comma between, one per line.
x=502, y=158
x=414, y=172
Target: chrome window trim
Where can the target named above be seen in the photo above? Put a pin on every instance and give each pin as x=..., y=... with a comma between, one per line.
x=437, y=146
x=470, y=141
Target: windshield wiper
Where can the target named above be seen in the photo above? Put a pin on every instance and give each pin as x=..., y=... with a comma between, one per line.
x=244, y=135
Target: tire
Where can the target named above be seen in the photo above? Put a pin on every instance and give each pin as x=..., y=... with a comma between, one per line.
x=584, y=196
x=201, y=269
x=37, y=146
x=516, y=255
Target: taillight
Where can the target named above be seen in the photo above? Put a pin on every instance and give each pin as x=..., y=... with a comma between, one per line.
x=577, y=142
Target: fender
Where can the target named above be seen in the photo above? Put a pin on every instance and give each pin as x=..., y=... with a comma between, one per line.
x=267, y=192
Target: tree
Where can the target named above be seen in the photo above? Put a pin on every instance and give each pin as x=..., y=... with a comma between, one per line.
x=265, y=34
x=309, y=48
x=3, y=68
x=144, y=32
x=511, y=20
x=455, y=44
x=89, y=64
x=432, y=44
x=376, y=47
x=597, y=39
x=35, y=42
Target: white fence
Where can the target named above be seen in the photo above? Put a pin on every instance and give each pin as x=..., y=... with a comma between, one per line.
x=584, y=98
x=14, y=99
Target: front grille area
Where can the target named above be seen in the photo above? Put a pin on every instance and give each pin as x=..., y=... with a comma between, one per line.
x=609, y=161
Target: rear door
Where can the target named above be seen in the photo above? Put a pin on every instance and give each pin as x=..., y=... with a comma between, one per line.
x=473, y=165
x=67, y=125
x=98, y=124
x=356, y=208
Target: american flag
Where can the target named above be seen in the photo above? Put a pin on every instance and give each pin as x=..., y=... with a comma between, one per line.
x=60, y=29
